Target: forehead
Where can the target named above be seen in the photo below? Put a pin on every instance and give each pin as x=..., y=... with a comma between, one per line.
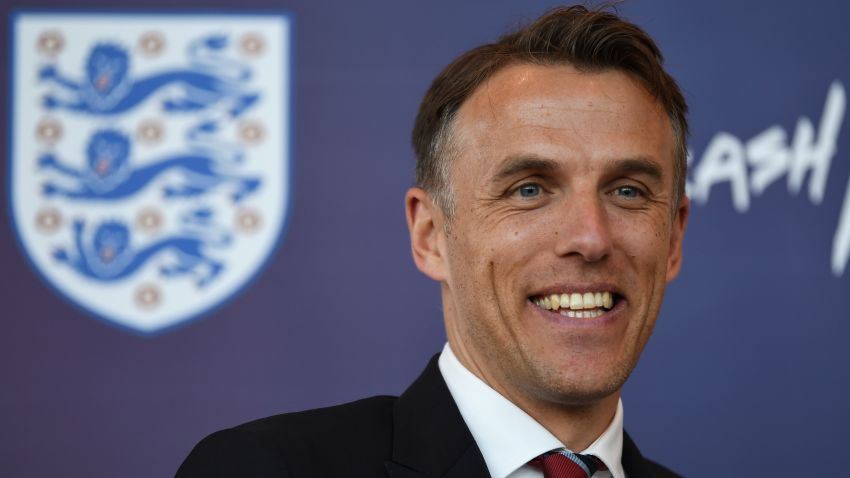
x=560, y=112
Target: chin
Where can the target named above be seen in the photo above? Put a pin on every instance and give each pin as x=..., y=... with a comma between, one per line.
x=584, y=387
x=583, y=395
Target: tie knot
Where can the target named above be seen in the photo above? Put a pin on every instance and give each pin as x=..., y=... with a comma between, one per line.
x=566, y=464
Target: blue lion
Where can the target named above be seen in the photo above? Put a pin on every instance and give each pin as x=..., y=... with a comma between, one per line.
x=108, y=174
x=110, y=256
x=108, y=88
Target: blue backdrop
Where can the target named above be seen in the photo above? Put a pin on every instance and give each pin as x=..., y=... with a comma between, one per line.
x=748, y=360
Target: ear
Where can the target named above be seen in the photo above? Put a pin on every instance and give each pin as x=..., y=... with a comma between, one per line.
x=680, y=222
x=427, y=241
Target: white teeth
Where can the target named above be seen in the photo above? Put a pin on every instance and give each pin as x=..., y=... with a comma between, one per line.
x=591, y=303
x=582, y=314
x=576, y=302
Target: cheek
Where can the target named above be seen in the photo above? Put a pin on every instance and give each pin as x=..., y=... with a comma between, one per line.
x=529, y=228
x=518, y=243
x=486, y=258
x=645, y=229
x=644, y=243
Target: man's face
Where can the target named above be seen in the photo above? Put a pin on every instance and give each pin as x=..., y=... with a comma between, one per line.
x=563, y=185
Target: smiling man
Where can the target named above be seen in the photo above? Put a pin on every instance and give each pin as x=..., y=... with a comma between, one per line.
x=550, y=207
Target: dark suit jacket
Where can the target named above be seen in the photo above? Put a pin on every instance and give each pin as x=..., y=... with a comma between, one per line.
x=419, y=434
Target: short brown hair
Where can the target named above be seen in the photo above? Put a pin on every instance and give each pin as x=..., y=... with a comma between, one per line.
x=589, y=40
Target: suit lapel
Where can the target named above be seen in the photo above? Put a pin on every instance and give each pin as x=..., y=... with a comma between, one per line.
x=430, y=439
x=469, y=465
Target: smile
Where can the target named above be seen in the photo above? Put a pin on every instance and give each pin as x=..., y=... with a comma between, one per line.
x=588, y=305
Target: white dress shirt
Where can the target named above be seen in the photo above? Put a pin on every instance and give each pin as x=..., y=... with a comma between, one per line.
x=508, y=437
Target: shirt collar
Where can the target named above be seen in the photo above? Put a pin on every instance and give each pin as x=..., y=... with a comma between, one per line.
x=514, y=439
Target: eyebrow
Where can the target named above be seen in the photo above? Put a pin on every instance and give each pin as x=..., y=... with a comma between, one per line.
x=638, y=165
x=519, y=164
x=514, y=165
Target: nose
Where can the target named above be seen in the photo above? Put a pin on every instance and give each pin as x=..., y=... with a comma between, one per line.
x=584, y=229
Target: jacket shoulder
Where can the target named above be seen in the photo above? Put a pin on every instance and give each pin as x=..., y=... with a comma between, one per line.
x=635, y=464
x=661, y=471
x=319, y=442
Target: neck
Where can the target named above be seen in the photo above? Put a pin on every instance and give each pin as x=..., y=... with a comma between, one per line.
x=576, y=425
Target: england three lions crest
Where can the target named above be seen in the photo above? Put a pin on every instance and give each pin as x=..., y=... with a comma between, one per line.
x=149, y=166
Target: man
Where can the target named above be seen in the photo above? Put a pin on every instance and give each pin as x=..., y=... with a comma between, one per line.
x=550, y=207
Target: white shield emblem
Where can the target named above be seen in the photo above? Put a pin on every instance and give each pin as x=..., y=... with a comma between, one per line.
x=149, y=170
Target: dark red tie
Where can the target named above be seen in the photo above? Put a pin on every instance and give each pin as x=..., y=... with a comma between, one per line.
x=566, y=464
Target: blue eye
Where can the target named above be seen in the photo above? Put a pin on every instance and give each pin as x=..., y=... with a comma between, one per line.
x=529, y=190
x=630, y=192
